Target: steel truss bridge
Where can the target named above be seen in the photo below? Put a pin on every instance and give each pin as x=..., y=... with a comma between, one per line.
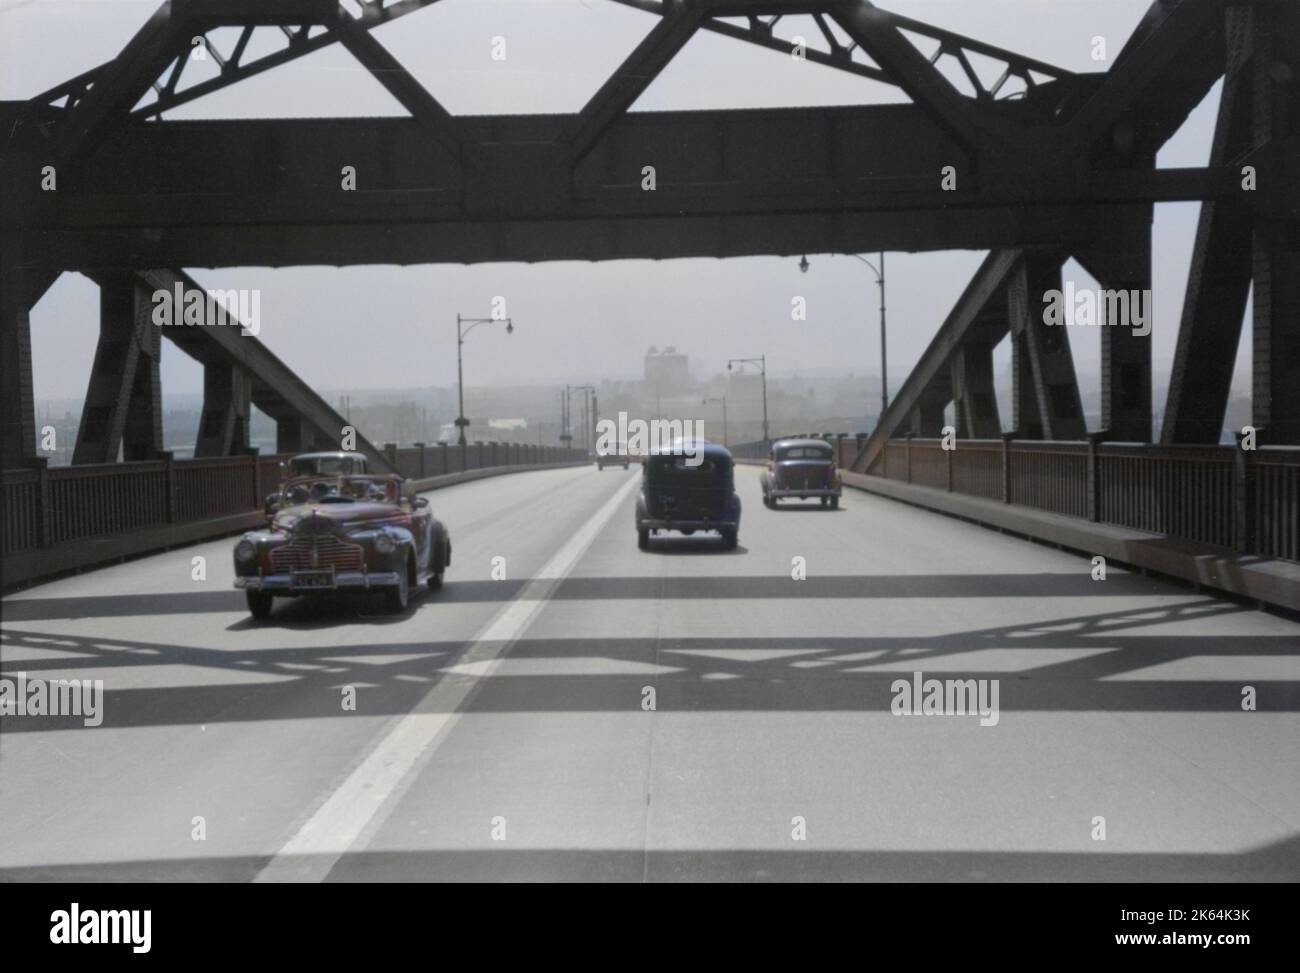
x=1031, y=162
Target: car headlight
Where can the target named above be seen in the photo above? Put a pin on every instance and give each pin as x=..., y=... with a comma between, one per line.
x=384, y=544
x=245, y=550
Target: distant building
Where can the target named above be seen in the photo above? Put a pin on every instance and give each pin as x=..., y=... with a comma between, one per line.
x=666, y=372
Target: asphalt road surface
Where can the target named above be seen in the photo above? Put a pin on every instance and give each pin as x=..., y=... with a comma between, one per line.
x=585, y=710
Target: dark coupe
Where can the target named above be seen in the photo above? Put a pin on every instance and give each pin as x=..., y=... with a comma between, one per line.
x=801, y=468
x=343, y=533
x=679, y=494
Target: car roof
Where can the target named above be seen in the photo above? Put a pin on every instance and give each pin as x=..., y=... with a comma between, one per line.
x=791, y=443
x=705, y=447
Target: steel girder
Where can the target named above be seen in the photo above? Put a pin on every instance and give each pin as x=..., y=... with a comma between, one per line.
x=728, y=183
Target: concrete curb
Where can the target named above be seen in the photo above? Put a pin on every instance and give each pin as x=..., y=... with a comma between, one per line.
x=1268, y=580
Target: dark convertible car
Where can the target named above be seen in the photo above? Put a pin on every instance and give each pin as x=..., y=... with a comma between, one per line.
x=678, y=493
x=801, y=468
x=340, y=533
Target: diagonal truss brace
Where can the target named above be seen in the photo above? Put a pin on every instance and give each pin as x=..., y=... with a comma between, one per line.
x=234, y=67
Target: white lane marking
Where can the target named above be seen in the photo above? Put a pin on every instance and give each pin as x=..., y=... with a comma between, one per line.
x=341, y=820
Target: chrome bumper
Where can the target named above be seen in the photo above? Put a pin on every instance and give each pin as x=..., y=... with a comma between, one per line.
x=814, y=492
x=363, y=580
x=686, y=524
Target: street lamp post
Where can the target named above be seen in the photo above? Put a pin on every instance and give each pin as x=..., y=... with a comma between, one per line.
x=723, y=399
x=461, y=422
x=588, y=412
x=761, y=362
x=880, y=282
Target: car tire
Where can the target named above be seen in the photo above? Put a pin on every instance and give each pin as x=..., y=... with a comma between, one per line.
x=730, y=538
x=442, y=559
x=835, y=503
x=259, y=604
x=398, y=597
x=643, y=538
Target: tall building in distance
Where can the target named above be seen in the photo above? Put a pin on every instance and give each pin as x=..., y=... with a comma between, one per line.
x=666, y=372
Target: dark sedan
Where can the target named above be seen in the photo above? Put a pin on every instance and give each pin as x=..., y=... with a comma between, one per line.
x=688, y=488
x=341, y=533
x=801, y=468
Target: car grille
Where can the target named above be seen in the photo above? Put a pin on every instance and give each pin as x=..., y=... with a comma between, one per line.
x=318, y=551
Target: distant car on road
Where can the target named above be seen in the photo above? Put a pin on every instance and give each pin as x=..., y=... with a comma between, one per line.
x=676, y=495
x=343, y=533
x=615, y=457
x=801, y=468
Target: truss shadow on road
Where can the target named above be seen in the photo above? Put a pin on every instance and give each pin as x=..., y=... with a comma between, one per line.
x=1035, y=585
x=1108, y=661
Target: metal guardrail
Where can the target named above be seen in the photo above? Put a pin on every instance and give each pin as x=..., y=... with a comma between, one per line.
x=44, y=506
x=1242, y=500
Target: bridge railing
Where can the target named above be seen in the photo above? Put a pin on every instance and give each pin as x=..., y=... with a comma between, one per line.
x=1218, y=495
x=46, y=506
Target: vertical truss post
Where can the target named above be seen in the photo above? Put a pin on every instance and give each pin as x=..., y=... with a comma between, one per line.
x=295, y=435
x=223, y=428
x=973, y=393
x=1123, y=263
x=1046, y=388
x=1219, y=279
x=1026, y=419
x=17, y=407
x=926, y=419
x=123, y=407
x=1276, y=326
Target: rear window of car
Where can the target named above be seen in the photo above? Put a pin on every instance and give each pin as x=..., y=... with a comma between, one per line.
x=804, y=452
x=682, y=464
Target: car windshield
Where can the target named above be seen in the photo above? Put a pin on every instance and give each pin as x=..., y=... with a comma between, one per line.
x=323, y=465
x=342, y=489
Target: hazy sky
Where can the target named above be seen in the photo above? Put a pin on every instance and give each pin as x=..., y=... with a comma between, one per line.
x=387, y=326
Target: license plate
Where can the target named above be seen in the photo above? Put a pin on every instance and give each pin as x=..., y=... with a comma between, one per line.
x=313, y=579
